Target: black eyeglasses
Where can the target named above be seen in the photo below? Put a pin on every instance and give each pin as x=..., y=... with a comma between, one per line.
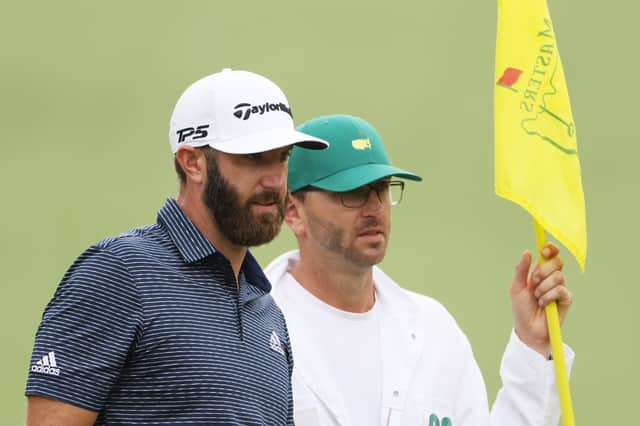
x=388, y=192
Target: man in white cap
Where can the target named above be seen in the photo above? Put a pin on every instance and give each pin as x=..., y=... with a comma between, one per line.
x=172, y=323
x=368, y=352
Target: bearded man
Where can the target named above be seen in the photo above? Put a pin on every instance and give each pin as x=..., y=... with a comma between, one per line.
x=172, y=323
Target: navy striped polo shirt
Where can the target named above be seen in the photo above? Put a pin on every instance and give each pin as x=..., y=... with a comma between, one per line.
x=150, y=328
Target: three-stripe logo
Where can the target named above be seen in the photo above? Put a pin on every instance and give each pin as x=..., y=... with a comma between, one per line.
x=274, y=343
x=47, y=365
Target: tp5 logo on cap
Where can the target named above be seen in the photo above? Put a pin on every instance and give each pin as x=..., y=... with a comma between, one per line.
x=195, y=133
x=217, y=110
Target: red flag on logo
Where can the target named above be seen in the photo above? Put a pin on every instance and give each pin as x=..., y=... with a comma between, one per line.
x=509, y=77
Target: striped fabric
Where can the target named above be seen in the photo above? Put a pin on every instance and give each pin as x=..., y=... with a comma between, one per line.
x=149, y=328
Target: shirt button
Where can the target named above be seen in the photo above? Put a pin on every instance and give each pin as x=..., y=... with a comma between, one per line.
x=396, y=394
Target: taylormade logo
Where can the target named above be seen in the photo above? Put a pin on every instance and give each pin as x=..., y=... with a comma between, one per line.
x=244, y=110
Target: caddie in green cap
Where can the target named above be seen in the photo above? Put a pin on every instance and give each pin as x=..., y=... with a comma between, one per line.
x=356, y=158
x=366, y=351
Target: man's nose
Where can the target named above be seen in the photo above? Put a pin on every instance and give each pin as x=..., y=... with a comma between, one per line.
x=373, y=203
x=275, y=175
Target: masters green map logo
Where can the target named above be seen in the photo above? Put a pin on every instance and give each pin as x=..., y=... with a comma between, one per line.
x=544, y=101
x=435, y=421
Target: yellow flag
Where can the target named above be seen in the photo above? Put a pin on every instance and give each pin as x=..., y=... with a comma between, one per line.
x=536, y=154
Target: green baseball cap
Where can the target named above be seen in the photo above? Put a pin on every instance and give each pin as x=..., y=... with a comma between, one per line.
x=355, y=156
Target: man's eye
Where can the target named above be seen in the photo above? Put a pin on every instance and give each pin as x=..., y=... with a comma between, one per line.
x=255, y=156
x=361, y=192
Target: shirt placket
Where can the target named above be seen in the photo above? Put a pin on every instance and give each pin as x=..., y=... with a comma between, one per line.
x=232, y=288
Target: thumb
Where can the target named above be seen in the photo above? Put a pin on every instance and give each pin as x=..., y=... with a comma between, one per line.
x=519, y=281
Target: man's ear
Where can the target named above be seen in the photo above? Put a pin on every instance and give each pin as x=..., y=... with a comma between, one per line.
x=193, y=163
x=294, y=215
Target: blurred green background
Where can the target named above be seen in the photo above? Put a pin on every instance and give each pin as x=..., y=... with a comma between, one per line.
x=87, y=89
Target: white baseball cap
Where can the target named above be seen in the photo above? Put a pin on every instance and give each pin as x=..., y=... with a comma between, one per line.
x=237, y=112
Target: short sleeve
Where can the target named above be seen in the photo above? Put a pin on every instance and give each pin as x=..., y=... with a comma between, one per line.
x=87, y=331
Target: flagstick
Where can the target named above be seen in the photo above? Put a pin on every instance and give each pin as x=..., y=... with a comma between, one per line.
x=555, y=337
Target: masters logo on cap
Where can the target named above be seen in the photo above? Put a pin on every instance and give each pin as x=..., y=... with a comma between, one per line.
x=355, y=156
x=237, y=112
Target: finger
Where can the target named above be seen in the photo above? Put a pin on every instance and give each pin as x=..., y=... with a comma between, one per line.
x=566, y=297
x=549, y=250
x=534, y=273
x=554, y=280
x=549, y=267
x=560, y=294
x=522, y=270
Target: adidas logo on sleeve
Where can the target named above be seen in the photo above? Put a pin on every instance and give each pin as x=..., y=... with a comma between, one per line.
x=274, y=343
x=47, y=365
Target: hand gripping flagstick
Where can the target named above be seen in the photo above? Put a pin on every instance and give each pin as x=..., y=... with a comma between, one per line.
x=536, y=151
x=555, y=338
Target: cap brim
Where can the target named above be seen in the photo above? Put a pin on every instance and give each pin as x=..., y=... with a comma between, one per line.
x=356, y=177
x=268, y=140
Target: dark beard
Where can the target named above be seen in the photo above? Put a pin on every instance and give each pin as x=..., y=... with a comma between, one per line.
x=234, y=219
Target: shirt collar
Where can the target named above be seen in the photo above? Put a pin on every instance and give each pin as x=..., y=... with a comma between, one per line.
x=253, y=273
x=194, y=247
